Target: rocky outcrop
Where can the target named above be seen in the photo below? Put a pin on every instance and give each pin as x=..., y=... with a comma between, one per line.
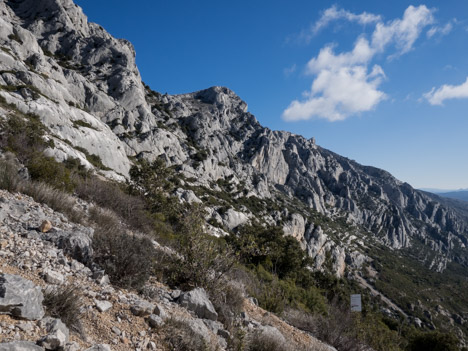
x=197, y=301
x=87, y=90
x=20, y=298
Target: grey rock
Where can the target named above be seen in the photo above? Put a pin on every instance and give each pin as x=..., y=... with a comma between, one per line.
x=53, y=277
x=20, y=298
x=154, y=321
x=71, y=346
x=160, y=311
x=116, y=330
x=58, y=334
x=213, y=325
x=77, y=244
x=103, y=306
x=198, y=302
x=176, y=294
x=20, y=346
x=142, y=308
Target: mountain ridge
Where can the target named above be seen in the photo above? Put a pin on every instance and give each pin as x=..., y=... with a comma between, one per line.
x=87, y=90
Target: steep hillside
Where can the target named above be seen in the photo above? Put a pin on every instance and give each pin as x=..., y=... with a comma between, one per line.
x=351, y=219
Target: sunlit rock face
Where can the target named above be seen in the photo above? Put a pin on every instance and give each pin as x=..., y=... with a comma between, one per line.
x=87, y=90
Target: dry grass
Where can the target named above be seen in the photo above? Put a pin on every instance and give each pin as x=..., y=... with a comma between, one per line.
x=65, y=302
x=179, y=336
x=41, y=192
x=335, y=328
x=126, y=258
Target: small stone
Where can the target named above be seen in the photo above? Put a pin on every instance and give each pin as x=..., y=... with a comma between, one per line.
x=116, y=331
x=3, y=244
x=45, y=226
x=25, y=326
x=103, y=306
x=53, y=277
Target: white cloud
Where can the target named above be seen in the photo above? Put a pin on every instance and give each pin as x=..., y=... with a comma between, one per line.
x=337, y=94
x=446, y=92
x=343, y=85
x=326, y=59
x=334, y=13
x=440, y=31
x=402, y=32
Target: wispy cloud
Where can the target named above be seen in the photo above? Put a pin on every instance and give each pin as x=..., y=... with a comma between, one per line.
x=289, y=70
x=447, y=92
x=440, y=31
x=343, y=84
x=334, y=14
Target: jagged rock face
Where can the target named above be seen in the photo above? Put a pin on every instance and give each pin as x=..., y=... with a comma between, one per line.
x=89, y=93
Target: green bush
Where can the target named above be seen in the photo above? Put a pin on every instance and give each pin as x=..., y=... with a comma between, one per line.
x=267, y=246
x=201, y=260
x=432, y=341
x=47, y=169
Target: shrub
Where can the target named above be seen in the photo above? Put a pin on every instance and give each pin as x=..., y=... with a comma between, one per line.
x=262, y=341
x=126, y=258
x=228, y=301
x=46, y=169
x=65, y=302
x=433, y=341
x=9, y=178
x=55, y=199
x=335, y=328
x=267, y=246
x=95, y=160
x=179, y=336
x=201, y=260
x=112, y=196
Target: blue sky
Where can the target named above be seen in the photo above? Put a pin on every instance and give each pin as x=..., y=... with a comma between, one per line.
x=379, y=82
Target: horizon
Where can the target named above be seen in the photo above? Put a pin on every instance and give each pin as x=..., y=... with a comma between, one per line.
x=354, y=76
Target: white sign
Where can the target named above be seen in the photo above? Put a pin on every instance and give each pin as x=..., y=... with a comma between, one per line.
x=356, y=305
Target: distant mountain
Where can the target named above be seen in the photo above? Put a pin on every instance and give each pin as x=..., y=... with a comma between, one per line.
x=459, y=195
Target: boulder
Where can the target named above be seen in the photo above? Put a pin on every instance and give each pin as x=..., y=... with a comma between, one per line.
x=197, y=301
x=20, y=346
x=58, y=334
x=142, y=308
x=77, y=244
x=20, y=298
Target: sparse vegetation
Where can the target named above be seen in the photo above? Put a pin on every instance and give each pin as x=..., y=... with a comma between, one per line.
x=65, y=302
x=178, y=335
x=126, y=258
x=80, y=122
